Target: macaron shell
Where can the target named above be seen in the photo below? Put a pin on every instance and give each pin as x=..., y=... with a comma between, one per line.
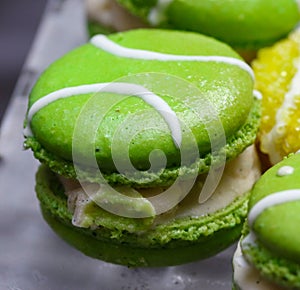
x=243, y=24
x=180, y=241
x=227, y=87
x=137, y=257
x=275, y=227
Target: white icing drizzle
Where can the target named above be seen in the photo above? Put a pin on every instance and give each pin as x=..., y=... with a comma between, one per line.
x=119, y=88
x=257, y=94
x=158, y=13
x=272, y=200
x=104, y=43
x=285, y=170
x=268, y=141
x=277, y=198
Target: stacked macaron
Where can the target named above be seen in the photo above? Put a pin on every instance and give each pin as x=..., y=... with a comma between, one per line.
x=269, y=253
x=145, y=139
x=242, y=24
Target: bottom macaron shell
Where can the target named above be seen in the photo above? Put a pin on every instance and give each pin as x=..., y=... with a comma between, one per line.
x=218, y=231
x=139, y=257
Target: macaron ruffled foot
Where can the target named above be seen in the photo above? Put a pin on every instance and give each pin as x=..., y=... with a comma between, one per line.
x=146, y=139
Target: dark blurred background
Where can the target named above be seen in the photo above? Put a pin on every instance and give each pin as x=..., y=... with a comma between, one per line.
x=19, y=20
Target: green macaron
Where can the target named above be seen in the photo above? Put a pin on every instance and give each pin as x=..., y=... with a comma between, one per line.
x=242, y=24
x=271, y=241
x=122, y=121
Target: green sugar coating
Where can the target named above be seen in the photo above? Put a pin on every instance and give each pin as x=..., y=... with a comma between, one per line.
x=179, y=241
x=227, y=88
x=276, y=253
x=242, y=24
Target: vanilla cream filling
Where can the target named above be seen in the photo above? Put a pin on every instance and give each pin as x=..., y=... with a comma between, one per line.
x=246, y=276
x=239, y=176
x=268, y=141
x=110, y=14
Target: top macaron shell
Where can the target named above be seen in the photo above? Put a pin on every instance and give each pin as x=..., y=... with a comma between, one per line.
x=277, y=227
x=243, y=24
x=228, y=87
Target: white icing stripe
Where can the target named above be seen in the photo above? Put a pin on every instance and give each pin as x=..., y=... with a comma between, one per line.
x=265, y=203
x=285, y=170
x=119, y=88
x=104, y=43
x=257, y=95
x=272, y=200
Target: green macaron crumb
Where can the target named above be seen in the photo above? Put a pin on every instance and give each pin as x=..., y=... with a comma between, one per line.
x=242, y=24
x=179, y=241
x=276, y=252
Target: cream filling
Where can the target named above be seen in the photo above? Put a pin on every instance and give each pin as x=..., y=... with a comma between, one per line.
x=110, y=14
x=268, y=141
x=246, y=276
x=239, y=176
